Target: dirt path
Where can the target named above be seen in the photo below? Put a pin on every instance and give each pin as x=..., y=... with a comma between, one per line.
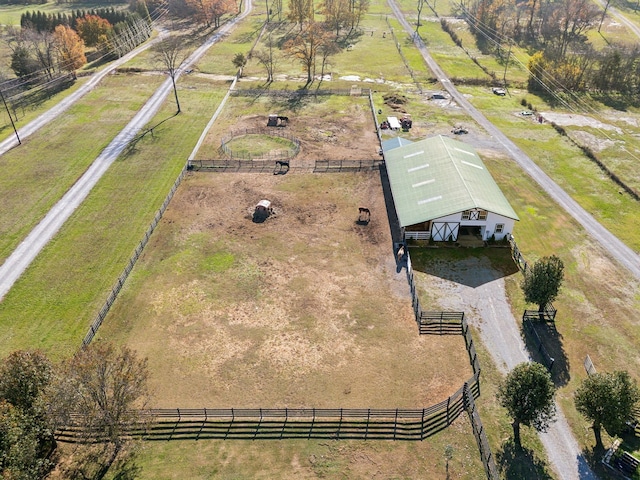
x=31, y=246
x=474, y=287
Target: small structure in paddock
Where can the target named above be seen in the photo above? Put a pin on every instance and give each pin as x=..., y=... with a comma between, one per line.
x=364, y=216
x=262, y=211
x=277, y=121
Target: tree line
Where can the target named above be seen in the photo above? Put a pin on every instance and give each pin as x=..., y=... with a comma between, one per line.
x=47, y=45
x=43, y=21
x=558, y=31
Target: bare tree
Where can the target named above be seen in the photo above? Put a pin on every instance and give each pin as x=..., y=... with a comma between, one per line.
x=266, y=59
x=170, y=53
x=101, y=390
x=305, y=47
x=419, y=6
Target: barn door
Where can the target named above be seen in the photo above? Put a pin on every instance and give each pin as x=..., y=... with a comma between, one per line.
x=441, y=231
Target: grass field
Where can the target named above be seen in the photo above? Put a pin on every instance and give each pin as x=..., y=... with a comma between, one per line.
x=37, y=173
x=52, y=305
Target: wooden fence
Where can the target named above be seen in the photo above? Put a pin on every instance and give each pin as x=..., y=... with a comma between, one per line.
x=547, y=315
x=255, y=166
x=481, y=438
x=517, y=256
x=290, y=423
x=97, y=322
x=336, y=166
x=440, y=323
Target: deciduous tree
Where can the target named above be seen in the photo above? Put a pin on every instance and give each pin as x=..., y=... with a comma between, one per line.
x=542, y=281
x=101, y=390
x=266, y=58
x=170, y=53
x=607, y=399
x=528, y=395
x=26, y=438
x=305, y=46
x=300, y=12
x=93, y=30
x=70, y=48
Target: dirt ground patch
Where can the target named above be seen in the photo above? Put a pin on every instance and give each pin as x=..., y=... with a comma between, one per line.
x=305, y=309
x=327, y=127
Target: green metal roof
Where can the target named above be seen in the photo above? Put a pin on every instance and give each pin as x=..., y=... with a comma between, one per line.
x=440, y=176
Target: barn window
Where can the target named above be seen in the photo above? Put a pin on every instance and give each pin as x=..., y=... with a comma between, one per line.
x=499, y=227
x=474, y=214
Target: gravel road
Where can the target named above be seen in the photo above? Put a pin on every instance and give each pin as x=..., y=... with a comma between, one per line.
x=474, y=287
x=493, y=315
x=31, y=246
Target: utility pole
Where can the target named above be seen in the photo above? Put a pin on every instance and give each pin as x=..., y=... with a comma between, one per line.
x=506, y=64
x=10, y=117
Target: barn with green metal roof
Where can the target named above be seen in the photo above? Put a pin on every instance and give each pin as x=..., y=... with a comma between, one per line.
x=442, y=189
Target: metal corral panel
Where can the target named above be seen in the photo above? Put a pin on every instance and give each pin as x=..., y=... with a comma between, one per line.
x=440, y=176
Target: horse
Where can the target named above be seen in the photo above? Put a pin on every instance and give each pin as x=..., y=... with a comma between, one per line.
x=400, y=254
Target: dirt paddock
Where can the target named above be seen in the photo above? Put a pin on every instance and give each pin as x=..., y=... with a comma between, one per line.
x=306, y=309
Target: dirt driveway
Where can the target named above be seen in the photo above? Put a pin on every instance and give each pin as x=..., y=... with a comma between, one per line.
x=473, y=286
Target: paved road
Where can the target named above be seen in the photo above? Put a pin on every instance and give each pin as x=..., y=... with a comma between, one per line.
x=28, y=250
x=562, y=449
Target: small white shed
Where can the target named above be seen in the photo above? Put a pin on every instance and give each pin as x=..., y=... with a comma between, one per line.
x=394, y=123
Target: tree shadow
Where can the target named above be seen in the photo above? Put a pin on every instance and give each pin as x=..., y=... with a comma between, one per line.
x=131, y=148
x=543, y=340
x=591, y=459
x=91, y=462
x=518, y=463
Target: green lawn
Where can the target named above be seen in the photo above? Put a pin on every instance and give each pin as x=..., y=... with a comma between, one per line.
x=37, y=173
x=53, y=303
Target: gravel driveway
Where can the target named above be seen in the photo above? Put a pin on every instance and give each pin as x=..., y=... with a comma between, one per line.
x=474, y=287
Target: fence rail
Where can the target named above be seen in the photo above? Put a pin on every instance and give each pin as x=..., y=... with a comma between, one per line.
x=481, y=439
x=547, y=315
x=97, y=322
x=280, y=154
x=328, y=166
x=256, y=166
x=441, y=323
x=267, y=423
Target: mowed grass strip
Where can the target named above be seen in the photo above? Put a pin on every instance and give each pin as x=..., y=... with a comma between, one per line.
x=53, y=303
x=312, y=459
x=565, y=163
x=40, y=171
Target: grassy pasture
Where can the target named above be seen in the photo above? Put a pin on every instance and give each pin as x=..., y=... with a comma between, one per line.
x=311, y=459
x=53, y=303
x=10, y=14
x=305, y=309
x=567, y=165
